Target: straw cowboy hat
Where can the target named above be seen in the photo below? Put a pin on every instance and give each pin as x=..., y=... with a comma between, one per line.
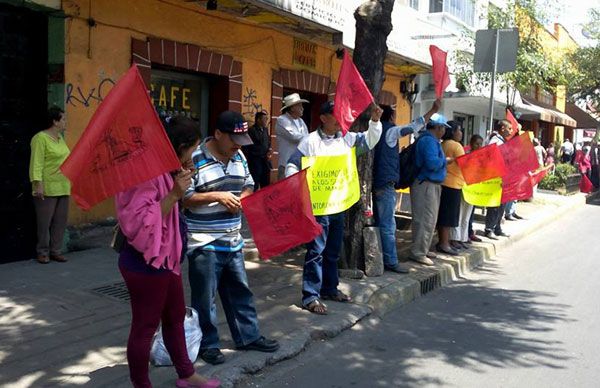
x=291, y=100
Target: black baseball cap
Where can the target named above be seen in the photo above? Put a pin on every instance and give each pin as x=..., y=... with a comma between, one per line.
x=326, y=108
x=234, y=124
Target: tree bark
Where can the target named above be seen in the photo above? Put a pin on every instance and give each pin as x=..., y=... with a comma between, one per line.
x=373, y=25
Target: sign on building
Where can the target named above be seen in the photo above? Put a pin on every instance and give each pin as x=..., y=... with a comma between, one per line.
x=304, y=53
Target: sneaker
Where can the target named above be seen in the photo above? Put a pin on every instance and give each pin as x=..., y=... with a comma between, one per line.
x=510, y=217
x=518, y=217
x=398, y=268
x=422, y=260
x=501, y=234
x=212, y=356
x=261, y=345
x=489, y=234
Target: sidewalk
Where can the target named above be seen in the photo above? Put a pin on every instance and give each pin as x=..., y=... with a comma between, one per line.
x=67, y=324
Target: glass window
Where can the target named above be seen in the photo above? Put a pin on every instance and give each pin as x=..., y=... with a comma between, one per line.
x=436, y=6
x=414, y=4
x=461, y=9
x=180, y=94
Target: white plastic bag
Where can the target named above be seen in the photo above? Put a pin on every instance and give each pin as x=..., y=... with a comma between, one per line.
x=159, y=355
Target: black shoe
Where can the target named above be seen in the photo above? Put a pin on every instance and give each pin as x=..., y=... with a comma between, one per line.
x=398, y=268
x=518, y=217
x=212, y=356
x=501, y=234
x=489, y=234
x=262, y=345
x=510, y=218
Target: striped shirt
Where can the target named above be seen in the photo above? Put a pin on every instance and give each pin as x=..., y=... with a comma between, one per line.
x=210, y=226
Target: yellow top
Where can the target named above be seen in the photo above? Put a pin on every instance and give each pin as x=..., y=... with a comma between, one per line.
x=454, y=178
x=47, y=155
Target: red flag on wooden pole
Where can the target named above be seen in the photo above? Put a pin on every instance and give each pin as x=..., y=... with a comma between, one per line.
x=352, y=96
x=123, y=145
x=280, y=216
x=441, y=75
x=514, y=124
x=481, y=165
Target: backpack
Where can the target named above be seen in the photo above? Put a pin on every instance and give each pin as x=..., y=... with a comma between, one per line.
x=408, y=166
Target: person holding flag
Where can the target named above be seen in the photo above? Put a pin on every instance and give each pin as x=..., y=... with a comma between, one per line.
x=493, y=217
x=320, y=274
x=386, y=172
x=213, y=211
x=150, y=262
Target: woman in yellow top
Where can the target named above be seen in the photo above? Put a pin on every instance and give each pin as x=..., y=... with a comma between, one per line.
x=449, y=212
x=51, y=189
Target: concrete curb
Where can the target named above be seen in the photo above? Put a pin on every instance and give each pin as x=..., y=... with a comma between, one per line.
x=375, y=296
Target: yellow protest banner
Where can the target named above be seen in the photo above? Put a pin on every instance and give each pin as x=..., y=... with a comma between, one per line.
x=332, y=182
x=486, y=194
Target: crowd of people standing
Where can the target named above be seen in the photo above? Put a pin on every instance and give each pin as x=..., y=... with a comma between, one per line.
x=195, y=213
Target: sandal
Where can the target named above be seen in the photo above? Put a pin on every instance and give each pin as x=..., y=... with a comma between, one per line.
x=339, y=297
x=316, y=307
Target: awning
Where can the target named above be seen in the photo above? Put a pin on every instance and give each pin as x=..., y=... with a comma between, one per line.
x=584, y=119
x=545, y=114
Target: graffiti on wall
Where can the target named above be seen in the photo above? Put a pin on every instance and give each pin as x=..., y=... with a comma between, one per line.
x=250, y=104
x=80, y=96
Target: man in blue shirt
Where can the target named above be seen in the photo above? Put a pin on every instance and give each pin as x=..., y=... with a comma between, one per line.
x=426, y=189
x=386, y=172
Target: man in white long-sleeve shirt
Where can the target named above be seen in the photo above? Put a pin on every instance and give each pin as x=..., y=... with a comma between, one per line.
x=290, y=130
x=320, y=274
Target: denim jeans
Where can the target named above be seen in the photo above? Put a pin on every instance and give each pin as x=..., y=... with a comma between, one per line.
x=225, y=272
x=384, y=204
x=510, y=208
x=320, y=275
x=493, y=219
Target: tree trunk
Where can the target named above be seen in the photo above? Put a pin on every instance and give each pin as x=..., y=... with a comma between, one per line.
x=373, y=25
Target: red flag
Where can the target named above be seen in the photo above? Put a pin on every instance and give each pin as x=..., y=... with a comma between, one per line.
x=352, y=96
x=123, y=145
x=519, y=155
x=481, y=165
x=585, y=184
x=441, y=76
x=280, y=216
x=514, y=124
x=516, y=187
x=537, y=176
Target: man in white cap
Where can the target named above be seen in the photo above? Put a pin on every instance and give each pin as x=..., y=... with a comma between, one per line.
x=290, y=129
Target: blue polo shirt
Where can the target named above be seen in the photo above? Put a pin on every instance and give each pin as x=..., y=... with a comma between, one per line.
x=430, y=159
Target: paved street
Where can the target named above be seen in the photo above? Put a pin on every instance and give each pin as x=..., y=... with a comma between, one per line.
x=527, y=318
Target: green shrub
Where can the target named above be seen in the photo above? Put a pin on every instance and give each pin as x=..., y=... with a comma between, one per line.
x=563, y=170
x=550, y=182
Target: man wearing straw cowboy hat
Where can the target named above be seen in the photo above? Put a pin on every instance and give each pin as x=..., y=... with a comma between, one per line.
x=290, y=129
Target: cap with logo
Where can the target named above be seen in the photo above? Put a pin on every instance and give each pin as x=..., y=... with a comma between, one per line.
x=234, y=124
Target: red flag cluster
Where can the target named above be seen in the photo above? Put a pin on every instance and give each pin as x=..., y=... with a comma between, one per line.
x=481, y=165
x=280, y=216
x=352, y=96
x=441, y=75
x=124, y=145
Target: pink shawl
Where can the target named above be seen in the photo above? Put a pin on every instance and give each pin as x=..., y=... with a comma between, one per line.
x=158, y=238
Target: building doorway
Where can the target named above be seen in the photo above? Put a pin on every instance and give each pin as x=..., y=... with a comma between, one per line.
x=311, y=109
x=467, y=122
x=23, y=104
x=198, y=96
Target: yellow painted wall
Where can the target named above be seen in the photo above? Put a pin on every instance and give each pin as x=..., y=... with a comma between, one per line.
x=97, y=56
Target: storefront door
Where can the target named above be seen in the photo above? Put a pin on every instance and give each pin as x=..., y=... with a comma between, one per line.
x=23, y=100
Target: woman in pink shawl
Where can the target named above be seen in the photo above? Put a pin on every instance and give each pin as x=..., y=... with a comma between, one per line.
x=150, y=262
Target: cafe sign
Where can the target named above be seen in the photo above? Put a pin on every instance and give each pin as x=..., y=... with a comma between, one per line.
x=305, y=53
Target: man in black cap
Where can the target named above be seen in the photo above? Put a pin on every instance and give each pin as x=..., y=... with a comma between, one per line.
x=215, y=245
